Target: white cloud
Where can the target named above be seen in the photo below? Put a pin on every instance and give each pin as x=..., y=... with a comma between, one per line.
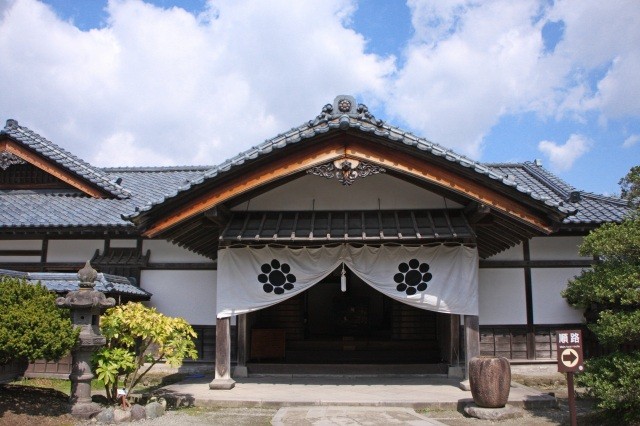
x=188, y=89
x=631, y=141
x=472, y=63
x=562, y=157
x=184, y=89
x=476, y=63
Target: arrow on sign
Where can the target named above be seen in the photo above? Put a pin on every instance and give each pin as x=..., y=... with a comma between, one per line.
x=570, y=357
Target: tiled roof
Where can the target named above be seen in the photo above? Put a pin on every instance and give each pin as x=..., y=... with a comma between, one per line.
x=63, y=158
x=63, y=283
x=589, y=208
x=358, y=118
x=23, y=208
x=147, y=187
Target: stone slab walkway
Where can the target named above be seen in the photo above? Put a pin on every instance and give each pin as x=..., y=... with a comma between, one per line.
x=289, y=391
x=350, y=415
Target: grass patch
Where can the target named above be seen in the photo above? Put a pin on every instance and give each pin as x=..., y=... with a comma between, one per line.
x=60, y=385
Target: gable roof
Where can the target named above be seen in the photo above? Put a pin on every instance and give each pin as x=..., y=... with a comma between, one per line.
x=154, y=190
x=359, y=119
x=64, y=160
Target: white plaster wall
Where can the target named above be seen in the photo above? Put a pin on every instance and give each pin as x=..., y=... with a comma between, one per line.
x=555, y=248
x=73, y=250
x=123, y=243
x=548, y=306
x=513, y=253
x=329, y=194
x=502, y=296
x=187, y=294
x=20, y=244
x=166, y=252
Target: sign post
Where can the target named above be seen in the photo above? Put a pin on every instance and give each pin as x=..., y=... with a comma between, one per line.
x=570, y=360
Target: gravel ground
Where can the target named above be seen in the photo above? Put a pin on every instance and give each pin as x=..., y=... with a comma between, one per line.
x=24, y=405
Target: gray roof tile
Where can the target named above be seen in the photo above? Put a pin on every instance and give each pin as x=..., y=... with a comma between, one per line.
x=22, y=208
x=61, y=282
x=358, y=120
x=63, y=158
x=588, y=208
x=148, y=187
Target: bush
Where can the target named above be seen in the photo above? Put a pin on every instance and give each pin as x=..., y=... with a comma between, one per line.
x=31, y=325
x=615, y=380
x=137, y=335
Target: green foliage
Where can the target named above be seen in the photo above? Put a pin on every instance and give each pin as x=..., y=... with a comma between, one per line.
x=112, y=362
x=31, y=326
x=615, y=328
x=615, y=380
x=630, y=185
x=137, y=335
x=610, y=295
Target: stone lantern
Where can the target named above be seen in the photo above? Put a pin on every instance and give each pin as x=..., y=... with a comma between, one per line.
x=86, y=305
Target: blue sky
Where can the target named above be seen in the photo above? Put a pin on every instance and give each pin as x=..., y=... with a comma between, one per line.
x=168, y=82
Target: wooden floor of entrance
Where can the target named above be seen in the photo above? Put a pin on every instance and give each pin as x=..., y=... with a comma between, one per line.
x=360, y=326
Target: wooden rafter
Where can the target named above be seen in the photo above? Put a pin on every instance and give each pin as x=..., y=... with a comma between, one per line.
x=46, y=166
x=399, y=162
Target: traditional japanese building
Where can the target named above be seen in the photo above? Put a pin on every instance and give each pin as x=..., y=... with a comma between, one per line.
x=342, y=241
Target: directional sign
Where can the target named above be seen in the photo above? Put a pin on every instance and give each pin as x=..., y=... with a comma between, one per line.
x=569, y=347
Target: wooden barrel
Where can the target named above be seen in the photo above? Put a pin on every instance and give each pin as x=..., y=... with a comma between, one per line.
x=490, y=380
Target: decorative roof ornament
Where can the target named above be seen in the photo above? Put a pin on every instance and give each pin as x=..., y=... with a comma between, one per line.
x=346, y=170
x=345, y=105
x=8, y=159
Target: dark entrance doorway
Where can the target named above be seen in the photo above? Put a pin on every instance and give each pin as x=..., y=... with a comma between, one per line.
x=359, y=326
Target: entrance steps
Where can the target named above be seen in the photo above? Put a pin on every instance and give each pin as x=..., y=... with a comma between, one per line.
x=379, y=370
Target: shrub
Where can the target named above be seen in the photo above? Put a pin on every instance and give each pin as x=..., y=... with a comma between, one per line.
x=137, y=335
x=615, y=380
x=31, y=325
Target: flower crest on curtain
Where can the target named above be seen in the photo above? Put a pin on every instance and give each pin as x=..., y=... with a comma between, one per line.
x=441, y=278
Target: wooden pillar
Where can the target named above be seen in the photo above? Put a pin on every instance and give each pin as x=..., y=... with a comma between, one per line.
x=471, y=339
x=528, y=289
x=222, y=379
x=454, y=344
x=241, y=365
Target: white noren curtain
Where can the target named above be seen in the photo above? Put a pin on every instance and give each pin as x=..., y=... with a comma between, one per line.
x=441, y=278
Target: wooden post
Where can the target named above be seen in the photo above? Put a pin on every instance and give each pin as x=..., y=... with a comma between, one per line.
x=472, y=340
x=454, y=347
x=241, y=365
x=222, y=379
x=573, y=419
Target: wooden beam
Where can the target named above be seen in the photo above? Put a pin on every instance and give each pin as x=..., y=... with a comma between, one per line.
x=248, y=181
x=20, y=253
x=48, y=167
x=574, y=263
x=399, y=162
x=438, y=175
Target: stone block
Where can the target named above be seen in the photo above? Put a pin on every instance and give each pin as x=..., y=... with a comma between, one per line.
x=138, y=412
x=493, y=414
x=154, y=410
x=105, y=416
x=121, y=416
